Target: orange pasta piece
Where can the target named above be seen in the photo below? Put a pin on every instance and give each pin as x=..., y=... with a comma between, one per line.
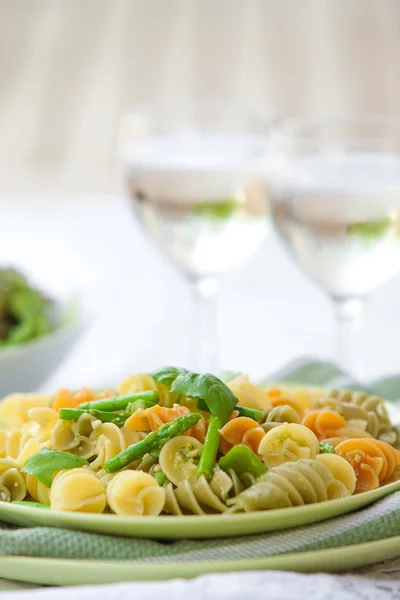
x=151, y=419
x=278, y=398
x=372, y=460
x=67, y=399
x=253, y=437
x=324, y=423
x=198, y=431
x=241, y=430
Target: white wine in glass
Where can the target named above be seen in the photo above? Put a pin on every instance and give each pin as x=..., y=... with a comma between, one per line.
x=335, y=191
x=198, y=187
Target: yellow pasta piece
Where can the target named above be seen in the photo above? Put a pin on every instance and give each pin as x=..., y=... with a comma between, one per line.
x=15, y=407
x=135, y=493
x=248, y=394
x=288, y=442
x=179, y=458
x=37, y=489
x=77, y=490
x=340, y=469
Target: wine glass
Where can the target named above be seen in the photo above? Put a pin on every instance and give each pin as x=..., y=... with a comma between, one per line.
x=335, y=193
x=195, y=176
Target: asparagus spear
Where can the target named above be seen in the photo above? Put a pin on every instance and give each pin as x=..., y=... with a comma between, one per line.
x=73, y=414
x=160, y=477
x=220, y=402
x=151, y=442
x=121, y=402
x=211, y=442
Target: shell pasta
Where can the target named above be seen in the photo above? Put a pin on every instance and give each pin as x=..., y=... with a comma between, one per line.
x=175, y=443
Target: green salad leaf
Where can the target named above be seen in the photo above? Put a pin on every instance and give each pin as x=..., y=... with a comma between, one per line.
x=326, y=448
x=44, y=463
x=25, y=313
x=216, y=395
x=242, y=459
x=167, y=375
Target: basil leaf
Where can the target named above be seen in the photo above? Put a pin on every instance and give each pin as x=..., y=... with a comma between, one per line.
x=218, y=397
x=326, y=448
x=31, y=504
x=167, y=375
x=242, y=459
x=44, y=463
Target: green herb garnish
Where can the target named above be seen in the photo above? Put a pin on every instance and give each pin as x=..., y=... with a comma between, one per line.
x=167, y=375
x=326, y=448
x=44, y=463
x=242, y=459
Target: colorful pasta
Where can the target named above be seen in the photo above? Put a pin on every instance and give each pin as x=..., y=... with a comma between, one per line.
x=373, y=461
x=305, y=481
x=180, y=443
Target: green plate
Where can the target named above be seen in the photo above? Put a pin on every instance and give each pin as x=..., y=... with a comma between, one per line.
x=192, y=527
x=72, y=572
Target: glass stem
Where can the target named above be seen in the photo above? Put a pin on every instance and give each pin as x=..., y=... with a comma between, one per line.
x=348, y=313
x=205, y=318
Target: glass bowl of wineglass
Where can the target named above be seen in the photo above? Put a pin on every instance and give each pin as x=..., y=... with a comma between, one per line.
x=195, y=176
x=335, y=194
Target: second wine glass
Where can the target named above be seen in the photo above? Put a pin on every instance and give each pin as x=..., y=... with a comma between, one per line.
x=335, y=189
x=196, y=179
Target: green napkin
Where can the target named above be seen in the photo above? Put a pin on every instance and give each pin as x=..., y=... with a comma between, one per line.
x=378, y=521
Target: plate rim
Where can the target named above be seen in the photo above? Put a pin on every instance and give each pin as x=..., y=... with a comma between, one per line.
x=337, y=559
x=176, y=527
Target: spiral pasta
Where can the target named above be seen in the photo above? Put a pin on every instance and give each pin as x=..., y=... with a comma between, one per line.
x=305, y=481
x=179, y=458
x=361, y=407
x=12, y=483
x=248, y=394
x=281, y=397
x=77, y=490
x=198, y=496
x=373, y=461
x=14, y=409
x=135, y=493
x=288, y=442
x=37, y=490
x=66, y=437
x=241, y=430
x=280, y=414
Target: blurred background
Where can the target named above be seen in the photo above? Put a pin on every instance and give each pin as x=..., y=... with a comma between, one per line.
x=69, y=70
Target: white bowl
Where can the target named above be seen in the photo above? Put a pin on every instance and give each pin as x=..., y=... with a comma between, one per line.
x=24, y=367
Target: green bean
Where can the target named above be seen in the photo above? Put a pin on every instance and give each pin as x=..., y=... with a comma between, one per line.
x=73, y=414
x=121, y=402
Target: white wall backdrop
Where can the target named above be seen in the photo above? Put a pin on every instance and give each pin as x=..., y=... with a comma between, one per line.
x=70, y=68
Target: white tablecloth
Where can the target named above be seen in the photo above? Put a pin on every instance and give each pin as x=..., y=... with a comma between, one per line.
x=140, y=318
